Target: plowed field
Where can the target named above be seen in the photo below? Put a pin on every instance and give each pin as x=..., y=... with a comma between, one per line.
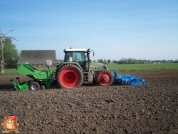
x=148, y=109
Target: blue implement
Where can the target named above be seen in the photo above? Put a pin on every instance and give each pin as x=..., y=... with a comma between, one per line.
x=128, y=79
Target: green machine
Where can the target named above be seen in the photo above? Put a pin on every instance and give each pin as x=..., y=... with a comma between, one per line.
x=40, y=79
x=76, y=70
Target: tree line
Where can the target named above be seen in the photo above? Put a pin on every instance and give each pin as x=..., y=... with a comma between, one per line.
x=134, y=61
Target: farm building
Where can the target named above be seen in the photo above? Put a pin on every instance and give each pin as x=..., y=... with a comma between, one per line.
x=37, y=58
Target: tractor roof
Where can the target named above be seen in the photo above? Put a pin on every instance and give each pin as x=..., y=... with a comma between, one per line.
x=75, y=50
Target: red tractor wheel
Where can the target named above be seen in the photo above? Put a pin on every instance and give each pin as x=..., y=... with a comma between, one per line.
x=70, y=76
x=105, y=78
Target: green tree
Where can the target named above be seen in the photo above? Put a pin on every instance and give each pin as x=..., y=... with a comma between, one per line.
x=11, y=55
x=100, y=60
x=131, y=61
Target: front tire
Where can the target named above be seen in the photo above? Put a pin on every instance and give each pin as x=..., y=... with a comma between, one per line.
x=69, y=76
x=105, y=78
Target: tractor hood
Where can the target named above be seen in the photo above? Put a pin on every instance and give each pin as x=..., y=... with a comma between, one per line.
x=97, y=66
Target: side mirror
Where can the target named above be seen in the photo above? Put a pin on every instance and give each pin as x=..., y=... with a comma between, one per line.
x=93, y=53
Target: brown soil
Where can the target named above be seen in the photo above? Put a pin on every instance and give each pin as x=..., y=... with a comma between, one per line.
x=148, y=109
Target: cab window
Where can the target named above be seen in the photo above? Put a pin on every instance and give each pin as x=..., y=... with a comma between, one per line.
x=79, y=56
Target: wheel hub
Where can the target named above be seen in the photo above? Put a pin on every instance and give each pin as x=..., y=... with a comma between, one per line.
x=34, y=87
x=69, y=77
x=105, y=78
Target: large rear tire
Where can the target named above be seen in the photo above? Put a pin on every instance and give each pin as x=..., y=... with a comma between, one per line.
x=105, y=78
x=69, y=76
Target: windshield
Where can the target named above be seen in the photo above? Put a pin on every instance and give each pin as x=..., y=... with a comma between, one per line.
x=74, y=56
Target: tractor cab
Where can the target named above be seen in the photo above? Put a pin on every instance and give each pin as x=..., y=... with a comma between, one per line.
x=81, y=56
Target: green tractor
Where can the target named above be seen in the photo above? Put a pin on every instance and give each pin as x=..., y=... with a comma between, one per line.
x=77, y=69
x=73, y=72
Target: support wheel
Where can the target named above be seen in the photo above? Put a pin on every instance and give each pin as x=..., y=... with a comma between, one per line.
x=105, y=78
x=34, y=86
x=69, y=76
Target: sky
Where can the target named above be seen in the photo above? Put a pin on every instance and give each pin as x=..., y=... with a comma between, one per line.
x=114, y=29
